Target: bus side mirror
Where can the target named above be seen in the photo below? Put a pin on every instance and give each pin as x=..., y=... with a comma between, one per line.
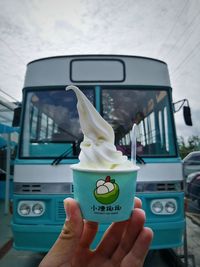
x=186, y=110
x=187, y=115
x=16, y=117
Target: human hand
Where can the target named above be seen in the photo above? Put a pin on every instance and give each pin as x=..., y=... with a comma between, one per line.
x=124, y=244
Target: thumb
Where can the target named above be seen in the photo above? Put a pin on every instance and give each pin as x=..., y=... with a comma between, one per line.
x=64, y=247
x=72, y=228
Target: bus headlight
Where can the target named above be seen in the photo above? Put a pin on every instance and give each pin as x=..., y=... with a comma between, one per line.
x=24, y=209
x=38, y=209
x=165, y=206
x=170, y=207
x=157, y=207
x=31, y=208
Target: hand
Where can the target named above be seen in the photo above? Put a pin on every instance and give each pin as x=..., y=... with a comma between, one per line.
x=124, y=244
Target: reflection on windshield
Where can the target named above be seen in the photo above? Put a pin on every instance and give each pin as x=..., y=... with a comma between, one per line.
x=51, y=120
x=149, y=109
x=51, y=123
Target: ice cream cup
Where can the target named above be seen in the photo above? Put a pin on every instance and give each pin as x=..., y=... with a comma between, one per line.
x=105, y=196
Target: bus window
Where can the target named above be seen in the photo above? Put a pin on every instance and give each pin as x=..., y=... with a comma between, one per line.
x=49, y=128
x=166, y=129
x=34, y=120
x=160, y=120
x=122, y=108
x=43, y=127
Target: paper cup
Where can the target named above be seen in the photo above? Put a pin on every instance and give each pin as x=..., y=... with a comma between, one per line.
x=105, y=196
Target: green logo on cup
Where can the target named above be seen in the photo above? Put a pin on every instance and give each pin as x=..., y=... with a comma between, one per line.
x=106, y=191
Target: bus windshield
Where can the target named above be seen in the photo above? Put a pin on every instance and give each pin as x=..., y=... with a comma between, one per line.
x=51, y=124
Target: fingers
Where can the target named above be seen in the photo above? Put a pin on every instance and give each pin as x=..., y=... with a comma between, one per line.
x=89, y=232
x=111, y=239
x=134, y=227
x=140, y=249
x=114, y=234
x=137, y=203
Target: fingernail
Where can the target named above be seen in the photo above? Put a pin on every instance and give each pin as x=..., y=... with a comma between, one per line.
x=67, y=208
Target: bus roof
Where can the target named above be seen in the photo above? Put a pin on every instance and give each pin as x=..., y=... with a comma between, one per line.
x=97, y=69
x=96, y=55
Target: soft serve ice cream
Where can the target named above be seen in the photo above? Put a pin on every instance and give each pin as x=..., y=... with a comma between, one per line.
x=97, y=148
x=104, y=179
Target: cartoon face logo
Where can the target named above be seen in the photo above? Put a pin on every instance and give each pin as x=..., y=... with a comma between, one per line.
x=106, y=191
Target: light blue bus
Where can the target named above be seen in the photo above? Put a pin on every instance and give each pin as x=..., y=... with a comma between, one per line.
x=124, y=90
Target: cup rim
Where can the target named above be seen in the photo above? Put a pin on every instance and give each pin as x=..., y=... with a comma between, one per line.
x=77, y=168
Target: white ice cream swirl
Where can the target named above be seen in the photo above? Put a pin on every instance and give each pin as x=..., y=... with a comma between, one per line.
x=97, y=148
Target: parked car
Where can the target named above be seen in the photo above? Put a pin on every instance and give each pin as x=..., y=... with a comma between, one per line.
x=193, y=187
x=191, y=163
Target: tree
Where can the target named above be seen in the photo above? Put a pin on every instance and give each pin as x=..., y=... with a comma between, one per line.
x=185, y=147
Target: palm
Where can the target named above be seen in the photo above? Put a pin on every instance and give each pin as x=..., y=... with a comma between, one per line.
x=125, y=244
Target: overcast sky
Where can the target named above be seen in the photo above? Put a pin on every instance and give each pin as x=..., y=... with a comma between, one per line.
x=167, y=30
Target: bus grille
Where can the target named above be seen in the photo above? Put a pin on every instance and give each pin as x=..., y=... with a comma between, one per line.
x=60, y=212
x=34, y=188
x=154, y=186
x=166, y=187
x=43, y=188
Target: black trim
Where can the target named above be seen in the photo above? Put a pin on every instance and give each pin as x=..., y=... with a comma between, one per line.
x=44, y=87
x=97, y=81
x=87, y=56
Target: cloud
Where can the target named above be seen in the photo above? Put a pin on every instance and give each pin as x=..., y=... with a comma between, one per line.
x=168, y=30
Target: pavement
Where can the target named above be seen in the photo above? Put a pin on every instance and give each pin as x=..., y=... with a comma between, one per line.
x=192, y=240
x=5, y=231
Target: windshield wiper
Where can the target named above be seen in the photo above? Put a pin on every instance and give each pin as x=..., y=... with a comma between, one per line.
x=140, y=159
x=58, y=159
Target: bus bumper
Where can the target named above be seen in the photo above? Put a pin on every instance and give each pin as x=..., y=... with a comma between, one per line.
x=34, y=237
x=42, y=237
x=167, y=235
